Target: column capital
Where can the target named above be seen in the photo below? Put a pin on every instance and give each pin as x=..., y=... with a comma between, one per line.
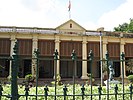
x=57, y=41
x=105, y=42
x=12, y=37
x=34, y=39
x=84, y=42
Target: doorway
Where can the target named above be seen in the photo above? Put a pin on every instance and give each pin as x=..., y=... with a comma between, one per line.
x=66, y=68
x=27, y=66
x=46, y=69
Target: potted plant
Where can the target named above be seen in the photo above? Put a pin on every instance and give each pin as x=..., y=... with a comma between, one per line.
x=29, y=78
x=130, y=78
x=89, y=78
x=10, y=78
x=58, y=80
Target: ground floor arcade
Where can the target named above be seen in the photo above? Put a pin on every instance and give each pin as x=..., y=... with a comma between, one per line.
x=46, y=68
x=82, y=46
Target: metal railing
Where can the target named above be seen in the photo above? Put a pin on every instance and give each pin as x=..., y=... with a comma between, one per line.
x=66, y=92
x=27, y=30
x=52, y=31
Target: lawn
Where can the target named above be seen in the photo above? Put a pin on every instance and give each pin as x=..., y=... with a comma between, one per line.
x=78, y=93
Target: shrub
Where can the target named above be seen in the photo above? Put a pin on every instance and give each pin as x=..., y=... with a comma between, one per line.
x=29, y=78
x=130, y=65
x=58, y=80
x=10, y=78
x=90, y=76
x=130, y=78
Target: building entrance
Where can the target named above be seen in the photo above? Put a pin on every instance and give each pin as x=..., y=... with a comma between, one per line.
x=27, y=66
x=66, y=68
x=4, y=67
x=46, y=69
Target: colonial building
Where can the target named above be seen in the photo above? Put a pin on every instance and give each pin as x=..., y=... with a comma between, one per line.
x=65, y=38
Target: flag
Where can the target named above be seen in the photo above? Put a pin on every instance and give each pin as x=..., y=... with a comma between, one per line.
x=69, y=6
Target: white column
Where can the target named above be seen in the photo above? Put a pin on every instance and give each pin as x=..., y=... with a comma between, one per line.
x=104, y=51
x=34, y=46
x=122, y=43
x=84, y=57
x=13, y=39
x=104, y=48
x=57, y=46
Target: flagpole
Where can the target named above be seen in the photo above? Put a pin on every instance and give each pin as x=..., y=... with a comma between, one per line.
x=69, y=14
x=69, y=9
x=101, y=63
x=100, y=30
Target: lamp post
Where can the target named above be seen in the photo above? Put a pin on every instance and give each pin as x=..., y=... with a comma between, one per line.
x=14, y=73
x=74, y=58
x=55, y=68
x=100, y=30
x=36, y=53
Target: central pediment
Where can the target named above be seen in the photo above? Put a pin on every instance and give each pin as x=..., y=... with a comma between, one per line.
x=71, y=27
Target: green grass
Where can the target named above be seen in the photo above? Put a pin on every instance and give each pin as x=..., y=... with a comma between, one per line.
x=32, y=91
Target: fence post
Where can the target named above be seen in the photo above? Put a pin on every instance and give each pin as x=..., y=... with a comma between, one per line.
x=107, y=60
x=1, y=89
x=46, y=92
x=55, y=67
x=99, y=91
x=116, y=91
x=90, y=60
x=36, y=53
x=14, y=73
x=122, y=61
x=26, y=91
x=83, y=91
x=74, y=58
x=65, y=92
x=131, y=87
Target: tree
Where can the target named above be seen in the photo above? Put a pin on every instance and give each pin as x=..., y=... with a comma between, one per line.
x=130, y=26
x=125, y=27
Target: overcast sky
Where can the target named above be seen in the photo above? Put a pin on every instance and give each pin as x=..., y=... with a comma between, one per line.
x=90, y=14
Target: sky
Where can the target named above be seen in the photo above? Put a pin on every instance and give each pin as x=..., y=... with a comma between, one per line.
x=90, y=14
